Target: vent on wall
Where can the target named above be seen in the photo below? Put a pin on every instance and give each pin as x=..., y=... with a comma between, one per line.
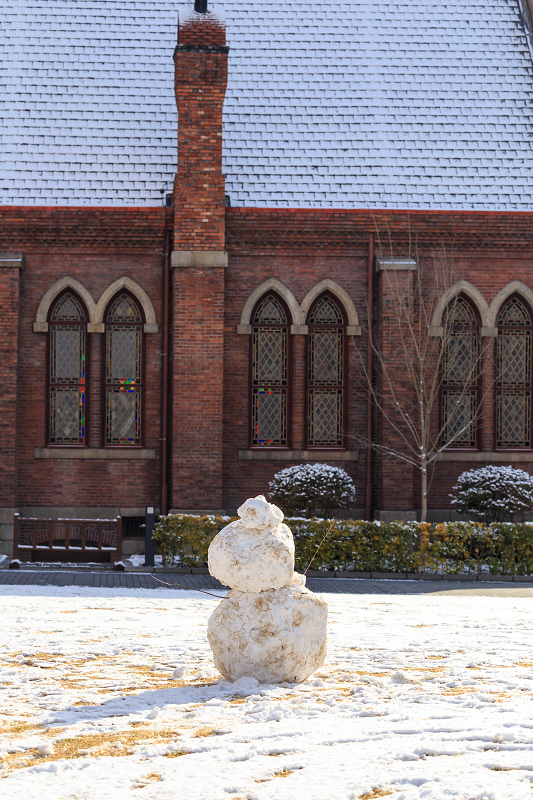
x=133, y=527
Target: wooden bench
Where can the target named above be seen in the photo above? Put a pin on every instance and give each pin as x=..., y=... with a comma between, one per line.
x=74, y=540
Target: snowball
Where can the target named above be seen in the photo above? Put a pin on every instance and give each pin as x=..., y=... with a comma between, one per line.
x=258, y=513
x=46, y=749
x=255, y=552
x=179, y=672
x=272, y=636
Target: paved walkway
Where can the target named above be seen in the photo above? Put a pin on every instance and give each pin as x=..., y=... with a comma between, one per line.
x=205, y=583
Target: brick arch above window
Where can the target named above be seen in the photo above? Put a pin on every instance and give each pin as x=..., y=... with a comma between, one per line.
x=299, y=312
x=474, y=296
x=515, y=287
x=41, y=318
x=272, y=284
x=150, y=324
x=353, y=328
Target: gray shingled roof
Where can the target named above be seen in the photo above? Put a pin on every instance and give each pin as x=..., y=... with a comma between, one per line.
x=405, y=104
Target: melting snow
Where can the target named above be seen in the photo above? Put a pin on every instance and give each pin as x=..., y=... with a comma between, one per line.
x=112, y=694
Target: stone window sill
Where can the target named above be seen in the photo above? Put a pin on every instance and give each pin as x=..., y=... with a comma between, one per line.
x=140, y=454
x=298, y=455
x=501, y=456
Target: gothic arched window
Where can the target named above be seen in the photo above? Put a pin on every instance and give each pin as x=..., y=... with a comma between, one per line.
x=513, y=375
x=460, y=375
x=270, y=343
x=67, y=370
x=123, y=372
x=326, y=373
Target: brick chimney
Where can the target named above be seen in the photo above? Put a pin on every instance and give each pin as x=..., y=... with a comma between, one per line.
x=201, y=74
x=198, y=267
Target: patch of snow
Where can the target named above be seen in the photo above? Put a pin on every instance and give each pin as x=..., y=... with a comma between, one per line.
x=459, y=727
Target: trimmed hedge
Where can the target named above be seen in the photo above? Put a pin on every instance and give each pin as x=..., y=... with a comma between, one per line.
x=453, y=547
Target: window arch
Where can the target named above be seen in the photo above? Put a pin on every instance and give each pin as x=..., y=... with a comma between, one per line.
x=270, y=373
x=326, y=373
x=123, y=372
x=460, y=375
x=513, y=375
x=67, y=371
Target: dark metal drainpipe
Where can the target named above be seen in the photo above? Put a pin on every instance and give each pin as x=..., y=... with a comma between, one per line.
x=164, y=355
x=369, y=367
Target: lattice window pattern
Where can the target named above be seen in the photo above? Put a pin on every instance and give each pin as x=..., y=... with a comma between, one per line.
x=514, y=358
x=269, y=417
x=325, y=417
x=459, y=409
x=460, y=373
x=325, y=311
x=123, y=416
x=124, y=354
x=513, y=419
x=514, y=313
x=269, y=374
x=270, y=356
x=124, y=310
x=513, y=376
x=66, y=372
x=67, y=416
x=325, y=374
x=460, y=313
x=325, y=357
x=123, y=373
x=460, y=357
x=67, y=353
x=67, y=309
x=270, y=311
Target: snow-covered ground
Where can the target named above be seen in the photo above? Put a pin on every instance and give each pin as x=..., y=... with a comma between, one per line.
x=111, y=694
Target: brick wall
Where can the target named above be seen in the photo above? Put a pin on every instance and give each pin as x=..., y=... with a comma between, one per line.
x=9, y=357
x=210, y=360
x=301, y=247
x=96, y=247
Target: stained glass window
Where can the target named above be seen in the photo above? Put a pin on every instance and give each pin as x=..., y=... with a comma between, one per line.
x=270, y=374
x=325, y=374
x=460, y=369
x=123, y=372
x=67, y=369
x=513, y=376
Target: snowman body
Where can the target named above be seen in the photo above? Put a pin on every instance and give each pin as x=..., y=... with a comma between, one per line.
x=269, y=626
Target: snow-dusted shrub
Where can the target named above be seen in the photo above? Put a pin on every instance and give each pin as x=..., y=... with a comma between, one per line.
x=493, y=494
x=355, y=544
x=312, y=488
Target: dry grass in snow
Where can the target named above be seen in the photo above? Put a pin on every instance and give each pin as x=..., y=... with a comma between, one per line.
x=112, y=694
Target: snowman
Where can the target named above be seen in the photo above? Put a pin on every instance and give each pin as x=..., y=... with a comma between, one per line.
x=269, y=626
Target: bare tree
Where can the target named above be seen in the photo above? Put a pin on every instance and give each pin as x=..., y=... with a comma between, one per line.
x=416, y=369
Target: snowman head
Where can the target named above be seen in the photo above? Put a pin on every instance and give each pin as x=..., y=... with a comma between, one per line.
x=258, y=513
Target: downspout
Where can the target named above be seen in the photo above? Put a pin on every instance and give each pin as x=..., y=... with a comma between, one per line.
x=369, y=368
x=164, y=356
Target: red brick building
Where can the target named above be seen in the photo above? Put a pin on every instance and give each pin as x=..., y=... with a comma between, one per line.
x=178, y=347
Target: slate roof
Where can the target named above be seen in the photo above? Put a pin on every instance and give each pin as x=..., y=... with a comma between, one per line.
x=392, y=104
